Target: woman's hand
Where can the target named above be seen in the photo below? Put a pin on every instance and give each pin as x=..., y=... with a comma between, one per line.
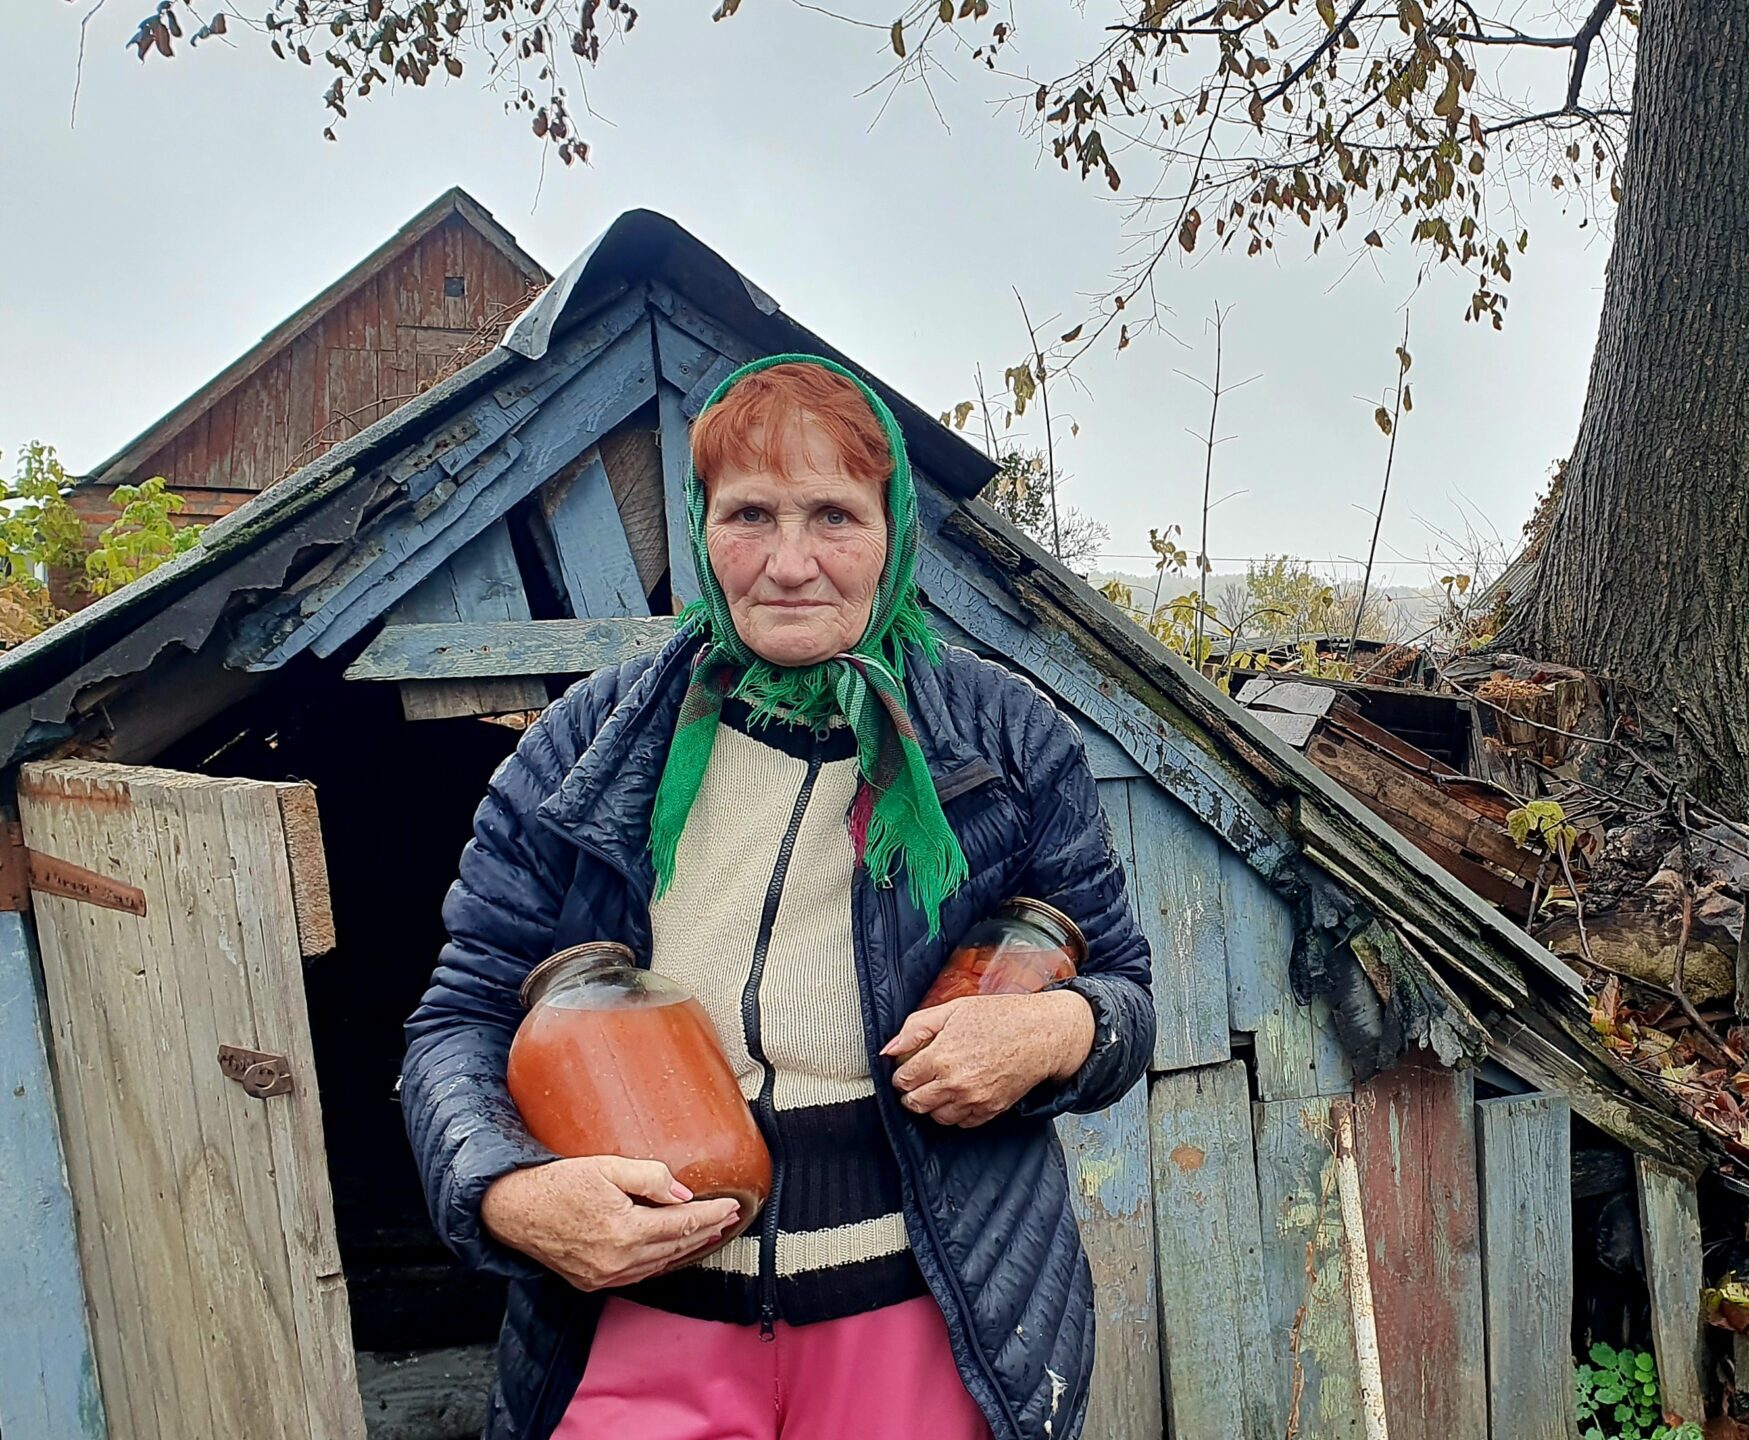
x=581, y=1218
x=967, y=1061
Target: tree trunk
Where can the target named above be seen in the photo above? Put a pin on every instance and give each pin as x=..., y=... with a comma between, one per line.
x=1644, y=578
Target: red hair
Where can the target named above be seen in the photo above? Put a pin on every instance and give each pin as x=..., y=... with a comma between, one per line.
x=748, y=426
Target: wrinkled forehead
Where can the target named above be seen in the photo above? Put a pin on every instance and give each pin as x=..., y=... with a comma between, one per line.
x=793, y=451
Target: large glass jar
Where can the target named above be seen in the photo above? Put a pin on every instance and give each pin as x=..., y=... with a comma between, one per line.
x=1024, y=947
x=612, y=1059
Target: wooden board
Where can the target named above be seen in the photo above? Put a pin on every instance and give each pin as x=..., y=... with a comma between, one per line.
x=1105, y=756
x=1296, y=1052
x=1670, y=1230
x=1220, y=1370
x=511, y=647
x=1175, y=885
x=48, y=1376
x=676, y=457
x=1311, y=1324
x=596, y=565
x=1523, y=1145
x=1415, y=1144
x=206, y=1222
x=633, y=462
x=1109, y=1170
x=1292, y=697
x=480, y=582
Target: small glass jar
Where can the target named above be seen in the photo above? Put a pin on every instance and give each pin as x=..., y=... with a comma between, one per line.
x=612, y=1059
x=1024, y=947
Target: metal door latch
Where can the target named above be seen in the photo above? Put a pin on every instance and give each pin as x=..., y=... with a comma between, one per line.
x=260, y=1073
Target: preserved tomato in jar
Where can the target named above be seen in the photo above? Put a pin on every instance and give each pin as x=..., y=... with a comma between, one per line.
x=612, y=1059
x=1024, y=947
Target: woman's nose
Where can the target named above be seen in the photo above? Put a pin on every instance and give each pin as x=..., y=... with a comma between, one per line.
x=792, y=561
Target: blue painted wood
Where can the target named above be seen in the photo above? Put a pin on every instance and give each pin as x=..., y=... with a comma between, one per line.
x=1311, y=1324
x=1114, y=800
x=676, y=450
x=1175, y=885
x=1109, y=760
x=694, y=322
x=1220, y=1367
x=595, y=558
x=407, y=545
x=1108, y=1159
x=1296, y=1052
x=1186, y=770
x=1525, y=1174
x=951, y=634
x=719, y=371
x=48, y=1378
x=507, y=647
x=682, y=359
x=480, y=582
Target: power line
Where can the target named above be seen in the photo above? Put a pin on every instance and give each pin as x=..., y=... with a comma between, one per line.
x=1255, y=559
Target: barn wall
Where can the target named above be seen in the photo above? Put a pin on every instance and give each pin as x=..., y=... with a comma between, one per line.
x=393, y=337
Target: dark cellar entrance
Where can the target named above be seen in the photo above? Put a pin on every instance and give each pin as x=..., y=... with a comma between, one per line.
x=396, y=800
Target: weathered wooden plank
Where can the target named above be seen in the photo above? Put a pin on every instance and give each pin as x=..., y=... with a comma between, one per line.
x=1176, y=889
x=595, y=559
x=1188, y=771
x=1523, y=1159
x=479, y=583
x=1114, y=800
x=706, y=386
x=216, y=1236
x=1415, y=1144
x=1296, y=1050
x=1219, y=1367
x=48, y=1372
x=683, y=359
x=432, y=1395
x=1311, y=1324
x=1109, y=1166
x=676, y=458
x=1670, y=1230
x=633, y=461
x=527, y=647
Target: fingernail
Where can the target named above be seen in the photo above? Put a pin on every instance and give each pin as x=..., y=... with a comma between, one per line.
x=679, y=1191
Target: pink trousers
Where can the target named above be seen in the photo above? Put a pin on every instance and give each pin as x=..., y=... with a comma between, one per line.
x=655, y=1376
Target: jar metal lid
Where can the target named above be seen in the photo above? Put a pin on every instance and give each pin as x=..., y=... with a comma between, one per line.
x=603, y=952
x=1077, y=941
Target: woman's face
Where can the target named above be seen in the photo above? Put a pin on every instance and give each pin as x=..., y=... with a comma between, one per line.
x=799, y=556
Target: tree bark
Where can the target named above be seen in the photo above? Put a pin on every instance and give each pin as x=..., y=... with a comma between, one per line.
x=1644, y=578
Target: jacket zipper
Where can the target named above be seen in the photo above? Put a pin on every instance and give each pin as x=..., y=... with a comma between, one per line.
x=763, y=1108
x=886, y=904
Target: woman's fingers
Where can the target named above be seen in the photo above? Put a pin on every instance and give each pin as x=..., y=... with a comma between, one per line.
x=643, y=1179
x=928, y=1097
x=920, y=1027
x=678, y=1224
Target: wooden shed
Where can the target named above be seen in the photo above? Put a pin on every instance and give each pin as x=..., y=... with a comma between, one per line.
x=1340, y=1207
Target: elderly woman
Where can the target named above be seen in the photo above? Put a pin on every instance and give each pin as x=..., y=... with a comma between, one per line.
x=793, y=810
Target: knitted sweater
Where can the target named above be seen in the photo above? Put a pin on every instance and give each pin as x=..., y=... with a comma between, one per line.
x=757, y=925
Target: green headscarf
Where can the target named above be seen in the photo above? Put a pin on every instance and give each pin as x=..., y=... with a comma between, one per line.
x=898, y=803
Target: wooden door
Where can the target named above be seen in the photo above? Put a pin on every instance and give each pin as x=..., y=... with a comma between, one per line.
x=205, y=1220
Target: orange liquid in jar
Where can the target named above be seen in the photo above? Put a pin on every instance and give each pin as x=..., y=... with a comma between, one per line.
x=646, y=1078
x=1006, y=968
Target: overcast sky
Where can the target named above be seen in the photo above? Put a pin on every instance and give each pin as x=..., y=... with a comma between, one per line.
x=195, y=204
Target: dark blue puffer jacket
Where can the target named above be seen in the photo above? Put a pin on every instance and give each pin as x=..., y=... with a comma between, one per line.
x=559, y=856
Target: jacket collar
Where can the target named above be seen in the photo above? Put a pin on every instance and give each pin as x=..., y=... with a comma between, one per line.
x=605, y=802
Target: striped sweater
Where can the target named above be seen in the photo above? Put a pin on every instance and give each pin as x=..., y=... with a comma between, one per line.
x=757, y=925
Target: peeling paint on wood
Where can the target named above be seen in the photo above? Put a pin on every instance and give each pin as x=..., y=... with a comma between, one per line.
x=1107, y=1154
x=1220, y=1367
x=1416, y=1149
x=1311, y=1325
x=1524, y=1162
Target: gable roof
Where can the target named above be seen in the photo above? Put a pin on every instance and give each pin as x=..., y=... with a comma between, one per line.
x=1340, y=865
x=453, y=202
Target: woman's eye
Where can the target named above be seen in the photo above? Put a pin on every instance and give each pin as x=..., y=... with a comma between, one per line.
x=750, y=515
x=837, y=517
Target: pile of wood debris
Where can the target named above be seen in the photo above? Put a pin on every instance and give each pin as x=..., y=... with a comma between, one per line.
x=1528, y=784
